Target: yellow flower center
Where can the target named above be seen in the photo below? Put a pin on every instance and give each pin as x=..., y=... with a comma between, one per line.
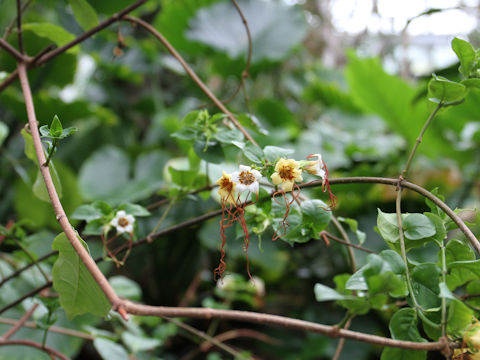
x=123, y=222
x=246, y=178
x=286, y=173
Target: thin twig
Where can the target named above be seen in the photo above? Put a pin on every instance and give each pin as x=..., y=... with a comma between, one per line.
x=349, y=244
x=341, y=342
x=52, y=193
x=237, y=333
x=206, y=337
x=32, y=259
x=50, y=55
x=10, y=26
x=191, y=73
x=267, y=319
x=19, y=323
x=9, y=48
x=344, y=234
x=55, y=329
x=26, y=267
x=19, y=27
x=425, y=193
x=26, y=296
x=47, y=349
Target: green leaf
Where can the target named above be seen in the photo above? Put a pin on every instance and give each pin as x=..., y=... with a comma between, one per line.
x=442, y=90
x=403, y=326
x=324, y=293
x=29, y=147
x=445, y=291
x=227, y=136
x=79, y=293
x=375, y=91
x=106, y=175
x=3, y=132
x=227, y=33
x=353, y=224
x=56, y=128
x=138, y=343
x=134, y=209
x=54, y=33
x=460, y=318
x=252, y=152
x=388, y=226
x=466, y=54
x=471, y=83
x=273, y=153
x=417, y=226
x=425, y=280
x=110, y=350
x=40, y=190
x=457, y=250
x=87, y=212
x=315, y=215
x=126, y=288
x=84, y=13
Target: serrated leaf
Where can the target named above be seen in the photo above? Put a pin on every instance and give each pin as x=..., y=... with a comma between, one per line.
x=79, y=293
x=84, y=13
x=466, y=54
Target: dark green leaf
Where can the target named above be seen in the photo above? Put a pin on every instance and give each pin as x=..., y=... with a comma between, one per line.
x=403, y=326
x=54, y=33
x=227, y=136
x=315, y=214
x=425, y=280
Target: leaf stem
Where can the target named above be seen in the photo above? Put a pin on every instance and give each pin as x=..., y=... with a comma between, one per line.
x=444, y=300
x=51, y=151
x=420, y=138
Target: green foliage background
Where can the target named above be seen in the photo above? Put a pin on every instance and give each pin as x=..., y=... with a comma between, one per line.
x=134, y=144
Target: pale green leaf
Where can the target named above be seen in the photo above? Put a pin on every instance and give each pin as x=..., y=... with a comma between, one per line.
x=79, y=293
x=84, y=13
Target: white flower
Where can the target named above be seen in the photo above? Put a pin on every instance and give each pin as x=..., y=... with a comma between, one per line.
x=246, y=179
x=225, y=282
x=259, y=285
x=315, y=167
x=123, y=222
